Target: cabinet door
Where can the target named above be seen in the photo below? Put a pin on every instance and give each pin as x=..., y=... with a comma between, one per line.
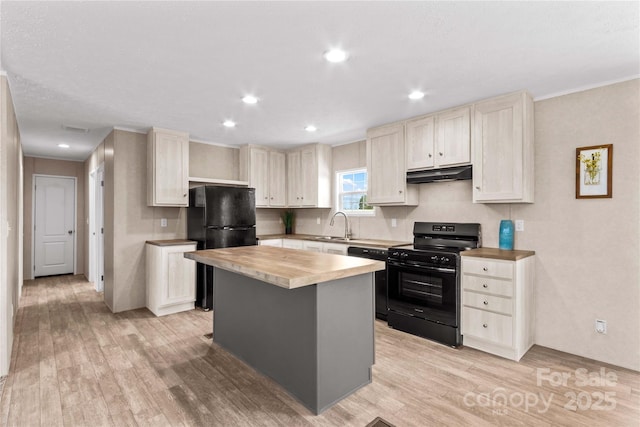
x=501, y=131
x=312, y=246
x=453, y=140
x=277, y=179
x=293, y=178
x=386, y=165
x=308, y=177
x=420, y=141
x=293, y=244
x=335, y=248
x=259, y=174
x=169, y=157
x=271, y=242
x=181, y=273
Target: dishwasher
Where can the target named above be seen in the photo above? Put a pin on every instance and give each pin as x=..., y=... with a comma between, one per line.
x=380, y=277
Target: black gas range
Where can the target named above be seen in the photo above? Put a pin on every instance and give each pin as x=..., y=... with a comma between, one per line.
x=423, y=280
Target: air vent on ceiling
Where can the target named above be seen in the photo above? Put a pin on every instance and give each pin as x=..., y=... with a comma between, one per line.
x=76, y=129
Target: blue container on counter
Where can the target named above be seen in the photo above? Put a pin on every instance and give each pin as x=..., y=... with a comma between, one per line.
x=506, y=235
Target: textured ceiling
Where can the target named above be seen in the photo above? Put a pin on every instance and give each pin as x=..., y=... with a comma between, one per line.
x=185, y=66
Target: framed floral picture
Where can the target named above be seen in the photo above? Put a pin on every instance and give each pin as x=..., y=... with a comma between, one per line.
x=593, y=171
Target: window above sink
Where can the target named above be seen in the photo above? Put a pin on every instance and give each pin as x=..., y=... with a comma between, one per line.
x=351, y=192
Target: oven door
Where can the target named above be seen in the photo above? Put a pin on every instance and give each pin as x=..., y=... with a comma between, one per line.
x=425, y=292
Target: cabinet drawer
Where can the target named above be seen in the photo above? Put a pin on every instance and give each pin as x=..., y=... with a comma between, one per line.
x=488, y=285
x=496, y=328
x=488, y=302
x=487, y=267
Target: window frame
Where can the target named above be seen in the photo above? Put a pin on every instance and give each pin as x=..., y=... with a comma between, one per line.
x=339, y=193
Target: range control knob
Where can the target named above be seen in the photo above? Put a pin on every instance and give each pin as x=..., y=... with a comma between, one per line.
x=434, y=258
x=404, y=255
x=444, y=260
x=395, y=253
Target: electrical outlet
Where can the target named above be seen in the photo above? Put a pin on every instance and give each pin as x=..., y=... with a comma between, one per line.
x=601, y=326
x=519, y=224
x=163, y=222
x=394, y=222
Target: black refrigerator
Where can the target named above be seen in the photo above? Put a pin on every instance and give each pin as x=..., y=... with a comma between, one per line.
x=219, y=217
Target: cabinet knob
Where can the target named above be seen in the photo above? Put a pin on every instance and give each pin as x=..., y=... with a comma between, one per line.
x=484, y=325
x=430, y=155
x=265, y=197
x=271, y=197
x=485, y=286
x=486, y=302
x=441, y=154
x=301, y=198
x=399, y=191
x=184, y=195
x=477, y=188
x=483, y=268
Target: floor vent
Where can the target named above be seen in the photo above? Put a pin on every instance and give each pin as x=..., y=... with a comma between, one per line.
x=379, y=422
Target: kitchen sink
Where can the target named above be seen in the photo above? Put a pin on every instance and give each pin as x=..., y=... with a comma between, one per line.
x=331, y=238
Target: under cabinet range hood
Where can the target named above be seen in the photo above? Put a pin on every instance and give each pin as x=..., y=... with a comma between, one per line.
x=444, y=174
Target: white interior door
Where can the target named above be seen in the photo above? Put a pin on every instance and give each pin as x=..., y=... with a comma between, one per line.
x=54, y=225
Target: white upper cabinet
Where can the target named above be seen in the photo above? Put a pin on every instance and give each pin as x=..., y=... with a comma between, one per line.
x=167, y=168
x=264, y=169
x=421, y=142
x=453, y=137
x=277, y=179
x=309, y=171
x=387, y=181
x=503, y=158
x=439, y=140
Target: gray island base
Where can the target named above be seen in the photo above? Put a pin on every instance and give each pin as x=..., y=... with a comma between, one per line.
x=316, y=341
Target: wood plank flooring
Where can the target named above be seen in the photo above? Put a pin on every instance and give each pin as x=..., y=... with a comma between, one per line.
x=74, y=363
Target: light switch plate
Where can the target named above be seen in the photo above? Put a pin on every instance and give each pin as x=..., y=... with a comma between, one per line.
x=318, y=220
x=394, y=222
x=163, y=222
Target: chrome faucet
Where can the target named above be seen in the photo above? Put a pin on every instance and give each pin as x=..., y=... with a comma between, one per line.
x=347, y=225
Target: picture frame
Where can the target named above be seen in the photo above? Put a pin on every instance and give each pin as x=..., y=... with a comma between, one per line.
x=594, y=167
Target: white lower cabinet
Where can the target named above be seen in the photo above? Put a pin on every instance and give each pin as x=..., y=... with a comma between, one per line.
x=170, y=278
x=293, y=243
x=270, y=242
x=498, y=302
x=335, y=248
x=312, y=246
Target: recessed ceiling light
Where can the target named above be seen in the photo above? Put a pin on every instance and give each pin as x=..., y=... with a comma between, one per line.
x=229, y=123
x=311, y=128
x=63, y=145
x=416, y=94
x=335, y=55
x=250, y=99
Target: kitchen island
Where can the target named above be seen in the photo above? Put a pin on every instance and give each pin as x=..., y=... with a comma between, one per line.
x=305, y=319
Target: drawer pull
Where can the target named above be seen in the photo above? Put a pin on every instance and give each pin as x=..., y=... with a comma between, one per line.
x=484, y=285
x=484, y=325
x=486, y=302
x=485, y=269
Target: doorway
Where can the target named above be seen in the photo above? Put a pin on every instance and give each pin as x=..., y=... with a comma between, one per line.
x=54, y=225
x=96, y=228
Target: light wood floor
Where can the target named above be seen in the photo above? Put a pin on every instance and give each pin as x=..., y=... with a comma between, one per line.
x=74, y=363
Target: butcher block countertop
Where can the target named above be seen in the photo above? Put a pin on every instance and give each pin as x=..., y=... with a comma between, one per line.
x=373, y=243
x=172, y=242
x=495, y=253
x=287, y=268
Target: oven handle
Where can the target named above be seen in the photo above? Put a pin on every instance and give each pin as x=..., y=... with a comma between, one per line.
x=421, y=266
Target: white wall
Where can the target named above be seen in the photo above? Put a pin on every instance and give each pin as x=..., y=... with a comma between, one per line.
x=10, y=222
